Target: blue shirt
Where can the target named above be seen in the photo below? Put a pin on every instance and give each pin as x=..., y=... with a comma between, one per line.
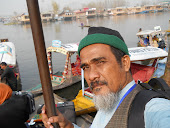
x=156, y=114
x=146, y=41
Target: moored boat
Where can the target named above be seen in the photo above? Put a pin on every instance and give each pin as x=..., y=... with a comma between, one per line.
x=71, y=75
x=155, y=38
x=141, y=73
x=8, y=55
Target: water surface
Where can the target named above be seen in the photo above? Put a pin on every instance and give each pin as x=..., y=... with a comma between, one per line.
x=70, y=32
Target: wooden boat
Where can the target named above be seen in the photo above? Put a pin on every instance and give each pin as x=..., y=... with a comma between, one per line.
x=157, y=38
x=71, y=74
x=85, y=26
x=83, y=101
x=8, y=55
x=35, y=119
x=141, y=73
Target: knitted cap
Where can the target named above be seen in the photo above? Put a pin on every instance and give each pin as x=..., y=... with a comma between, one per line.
x=103, y=35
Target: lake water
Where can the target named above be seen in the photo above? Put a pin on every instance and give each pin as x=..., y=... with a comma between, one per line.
x=70, y=32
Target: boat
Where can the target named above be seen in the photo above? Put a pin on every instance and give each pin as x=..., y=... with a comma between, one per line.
x=35, y=119
x=140, y=72
x=67, y=15
x=8, y=55
x=85, y=26
x=91, y=13
x=156, y=38
x=83, y=103
x=119, y=11
x=61, y=81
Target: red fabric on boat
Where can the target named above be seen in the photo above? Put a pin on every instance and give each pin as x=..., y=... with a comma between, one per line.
x=88, y=89
x=141, y=72
x=76, y=70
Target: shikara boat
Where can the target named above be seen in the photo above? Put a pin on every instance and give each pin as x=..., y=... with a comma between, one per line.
x=61, y=81
x=141, y=71
x=8, y=55
x=155, y=38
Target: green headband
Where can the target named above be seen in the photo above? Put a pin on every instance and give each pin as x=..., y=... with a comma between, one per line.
x=103, y=39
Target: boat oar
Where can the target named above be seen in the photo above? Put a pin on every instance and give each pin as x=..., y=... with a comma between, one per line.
x=38, y=37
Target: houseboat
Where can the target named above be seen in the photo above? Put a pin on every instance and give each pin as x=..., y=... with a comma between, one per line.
x=81, y=13
x=119, y=11
x=47, y=17
x=134, y=10
x=100, y=13
x=67, y=15
x=25, y=19
x=85, y=13
x=157, y=8
x=107, y=12
x=147, y=9
x=91, y=13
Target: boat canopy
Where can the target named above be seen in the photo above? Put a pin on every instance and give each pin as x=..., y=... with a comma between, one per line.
x=7, y=53
x=71, y=69
x=145, y=53
x=65, y=48
x=150, y=32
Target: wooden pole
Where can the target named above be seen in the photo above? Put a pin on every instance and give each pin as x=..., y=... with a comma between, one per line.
x=38, y=37
x=166, y=76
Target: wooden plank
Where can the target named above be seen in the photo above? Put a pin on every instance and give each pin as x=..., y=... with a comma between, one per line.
x=87, y=117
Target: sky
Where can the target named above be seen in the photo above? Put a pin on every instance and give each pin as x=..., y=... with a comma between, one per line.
x=8, y=7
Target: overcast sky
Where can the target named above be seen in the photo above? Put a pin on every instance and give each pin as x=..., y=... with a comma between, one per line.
x=8, y=7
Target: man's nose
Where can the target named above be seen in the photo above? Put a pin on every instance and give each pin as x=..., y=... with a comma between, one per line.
x=94, y=74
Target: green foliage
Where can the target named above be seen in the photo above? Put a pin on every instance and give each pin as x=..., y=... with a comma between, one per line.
x=67, y=8
x=119, y=3
x=55, y=7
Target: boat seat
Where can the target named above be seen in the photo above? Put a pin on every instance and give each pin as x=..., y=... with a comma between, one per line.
x=141, y=72
x=58, y=74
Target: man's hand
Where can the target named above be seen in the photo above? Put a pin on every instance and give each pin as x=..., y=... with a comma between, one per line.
x=60, y=119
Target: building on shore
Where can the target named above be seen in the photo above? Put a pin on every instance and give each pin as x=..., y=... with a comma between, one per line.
x=91, y=13
x=81, y=13
x=119, y=11
x=158, y=8
x=134, y=10
x=85, y=13
x=147, y=9
x=67, y=15
x=47, y=17
x=24, y=18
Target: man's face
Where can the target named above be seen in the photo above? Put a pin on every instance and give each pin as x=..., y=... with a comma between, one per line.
x=101, y=69
x=3, y=66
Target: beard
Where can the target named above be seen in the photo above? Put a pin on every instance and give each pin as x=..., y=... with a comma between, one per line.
x=106, y=101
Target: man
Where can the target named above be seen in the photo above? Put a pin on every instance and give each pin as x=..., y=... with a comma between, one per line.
x=106, y=64
x=10, y=76
x=146, y=41
x=13, y=108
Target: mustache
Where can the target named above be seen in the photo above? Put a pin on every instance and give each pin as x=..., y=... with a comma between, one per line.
x=96, y=83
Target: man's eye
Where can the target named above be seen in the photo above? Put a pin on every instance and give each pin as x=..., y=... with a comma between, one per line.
x=85, y=67
x=100, y=62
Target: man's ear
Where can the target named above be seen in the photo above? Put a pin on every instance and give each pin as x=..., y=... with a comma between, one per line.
x=126, y=62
